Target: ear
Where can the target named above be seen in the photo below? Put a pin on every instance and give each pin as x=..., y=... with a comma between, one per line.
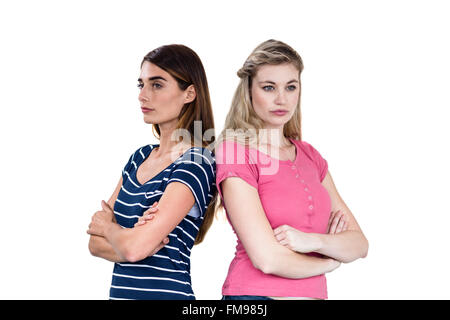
x=190, y=94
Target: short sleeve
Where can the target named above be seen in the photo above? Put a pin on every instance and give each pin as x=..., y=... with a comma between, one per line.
x=129, y=167
x=319, y=161
x=197, y=170
x=233, y=160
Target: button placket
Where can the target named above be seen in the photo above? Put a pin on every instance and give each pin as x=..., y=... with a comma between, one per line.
x=310, y=205
x=297, y=173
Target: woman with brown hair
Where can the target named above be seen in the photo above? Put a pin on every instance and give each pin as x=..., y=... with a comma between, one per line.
x=152, y=261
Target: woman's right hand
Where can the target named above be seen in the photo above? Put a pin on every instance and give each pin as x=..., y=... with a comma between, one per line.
x=148, y=215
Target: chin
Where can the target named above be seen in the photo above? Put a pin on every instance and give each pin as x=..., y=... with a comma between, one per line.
x=149, y=120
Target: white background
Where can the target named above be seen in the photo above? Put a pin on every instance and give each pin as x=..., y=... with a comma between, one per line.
x=375, y=102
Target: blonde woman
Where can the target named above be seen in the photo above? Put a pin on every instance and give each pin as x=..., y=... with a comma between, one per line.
x=291, y=224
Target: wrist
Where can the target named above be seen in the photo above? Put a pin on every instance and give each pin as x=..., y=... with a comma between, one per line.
x=318, y=241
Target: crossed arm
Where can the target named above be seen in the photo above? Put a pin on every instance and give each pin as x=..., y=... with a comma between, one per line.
x=281, y=251
x=112, y=242
x=345, y=246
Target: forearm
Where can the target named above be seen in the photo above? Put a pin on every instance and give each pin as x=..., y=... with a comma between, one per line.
x=345, y=246
x=100, y=247
x=286, y=263
x=129, y=243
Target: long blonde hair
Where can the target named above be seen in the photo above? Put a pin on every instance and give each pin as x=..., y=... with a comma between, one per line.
x=242, y=122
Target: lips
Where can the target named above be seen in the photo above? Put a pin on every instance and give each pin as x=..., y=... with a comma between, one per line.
x=279, y=112
x=145, y=110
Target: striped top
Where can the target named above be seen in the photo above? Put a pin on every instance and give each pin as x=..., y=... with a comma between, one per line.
x=166, y=274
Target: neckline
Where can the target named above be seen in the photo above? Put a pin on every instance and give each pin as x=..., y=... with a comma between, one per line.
x=159, y=173
x=289, y=162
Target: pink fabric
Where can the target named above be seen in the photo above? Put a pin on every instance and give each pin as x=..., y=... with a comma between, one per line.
x=293, y=195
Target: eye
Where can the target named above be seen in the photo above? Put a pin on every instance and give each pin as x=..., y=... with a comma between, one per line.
x=268, y=88
x=156, y=85
x=291, y=88
x=140, y=85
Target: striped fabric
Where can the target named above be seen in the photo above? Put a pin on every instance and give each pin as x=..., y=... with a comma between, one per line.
x=165, y=275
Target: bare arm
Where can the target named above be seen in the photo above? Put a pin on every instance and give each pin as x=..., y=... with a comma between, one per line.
x=348, y=245
x=134, y=244
x=345, y=246
x=251, y=225
x=98, y=245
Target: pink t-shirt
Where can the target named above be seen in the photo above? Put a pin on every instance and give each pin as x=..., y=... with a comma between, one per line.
x=291, y=193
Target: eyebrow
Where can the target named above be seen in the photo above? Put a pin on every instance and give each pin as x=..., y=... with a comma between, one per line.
x=271, y=82
x=153, y=78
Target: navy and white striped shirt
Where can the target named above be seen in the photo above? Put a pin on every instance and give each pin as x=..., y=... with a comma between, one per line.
x=166, y=274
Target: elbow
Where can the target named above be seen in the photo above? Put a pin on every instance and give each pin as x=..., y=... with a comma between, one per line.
x=361, y=253
x=365, y=249
x=92, y=247
x=265, y=267
x=133, y=254
x=264, y=264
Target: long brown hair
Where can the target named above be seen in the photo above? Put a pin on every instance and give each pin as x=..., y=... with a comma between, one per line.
x=185, y=66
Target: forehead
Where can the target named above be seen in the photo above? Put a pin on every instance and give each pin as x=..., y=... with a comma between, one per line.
x=277, y=73
x=149, y=70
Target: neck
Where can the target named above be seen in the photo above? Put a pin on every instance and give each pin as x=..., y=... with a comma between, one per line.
x=274, y=137
x=166, y=143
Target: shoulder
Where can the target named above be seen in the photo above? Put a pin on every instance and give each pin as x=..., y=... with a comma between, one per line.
x=232, y=152
x=310, y=151
x=196, y=160
x=202, y=156
x=315, y=157
x=143, y=151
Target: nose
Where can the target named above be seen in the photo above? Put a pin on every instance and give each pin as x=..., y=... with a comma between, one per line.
x=280, y=98
x=143, y=97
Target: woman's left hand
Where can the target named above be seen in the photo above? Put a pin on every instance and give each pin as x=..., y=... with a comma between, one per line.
x=337, y=223
x=296, y=240
x=101, y=220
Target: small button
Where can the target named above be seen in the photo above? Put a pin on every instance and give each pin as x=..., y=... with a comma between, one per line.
x=309, y=197
x=306, y=189
x=296, y=176
x=303, y=181
x=311, y=207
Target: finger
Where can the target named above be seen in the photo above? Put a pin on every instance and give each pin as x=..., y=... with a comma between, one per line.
x=333, y=213
x=345, y=226
x=280, y=236
x=140, y=223
x=277, y=231
x=151, y=210
x=335, y=222
x=149, y=216
x=161, y=245
x=340, y=225
x=106, y=207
